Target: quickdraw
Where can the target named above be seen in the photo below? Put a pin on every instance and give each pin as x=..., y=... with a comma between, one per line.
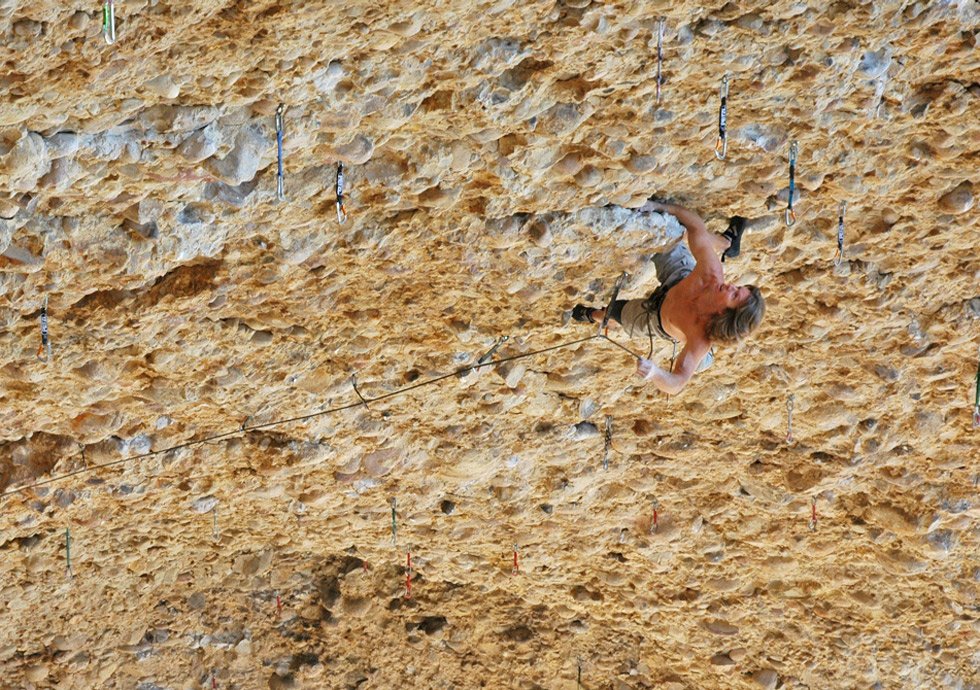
x=341, y=210
x=109, y=22
x=840, y=234
x=608, y=443
x=280, y=180
x=486, y=357
x=353, y=380
x=68, y=572
x=660, y=56
x=789, y=415
x=976, y=399
x=394, y=521
x=44, y=351
x=721, y=145
x=408, y=576
x=604, y=326
x=790, y=213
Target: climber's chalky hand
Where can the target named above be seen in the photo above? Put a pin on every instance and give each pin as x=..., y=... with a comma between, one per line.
x=645, y=368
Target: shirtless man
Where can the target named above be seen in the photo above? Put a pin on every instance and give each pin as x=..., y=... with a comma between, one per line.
x=693, y=304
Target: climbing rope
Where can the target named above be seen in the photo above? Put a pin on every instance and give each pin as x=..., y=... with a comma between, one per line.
x=302, y=418
x=721, y=145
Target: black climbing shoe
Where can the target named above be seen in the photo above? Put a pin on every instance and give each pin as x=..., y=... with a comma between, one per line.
x=583, y=313
x=736, y=226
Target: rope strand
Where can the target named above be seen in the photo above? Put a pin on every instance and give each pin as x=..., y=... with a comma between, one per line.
x=279, y=422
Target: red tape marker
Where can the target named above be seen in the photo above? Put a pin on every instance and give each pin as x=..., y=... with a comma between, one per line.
x=515, y=569
x=279, y=606
x=408, y=577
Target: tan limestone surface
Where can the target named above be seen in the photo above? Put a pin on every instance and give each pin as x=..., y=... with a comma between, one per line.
x=493, y=154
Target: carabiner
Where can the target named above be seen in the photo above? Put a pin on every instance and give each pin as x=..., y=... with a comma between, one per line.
x=721, y=145
x=109, y=22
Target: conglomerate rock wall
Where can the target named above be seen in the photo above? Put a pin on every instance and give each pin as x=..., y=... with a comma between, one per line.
x=493, y=154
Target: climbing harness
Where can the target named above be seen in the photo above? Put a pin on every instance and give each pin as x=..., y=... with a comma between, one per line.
x=976, y=399
x=655, y=525
x=486, y=357
x=813, y=514
x=721, y=145
x=790, y=213
x=341, y=210
x=789, y=411
x=394, y=521
x=68, y=572
x=660, y=55
x=604, y=326
x=408, y=575
x=608, y=445
x=514, y=570
x=214, y=514
x=44, y=351
x=280, y=181
x=840, y=234
x=109, y=21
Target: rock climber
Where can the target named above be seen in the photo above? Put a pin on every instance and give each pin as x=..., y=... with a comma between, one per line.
x=692, y=305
